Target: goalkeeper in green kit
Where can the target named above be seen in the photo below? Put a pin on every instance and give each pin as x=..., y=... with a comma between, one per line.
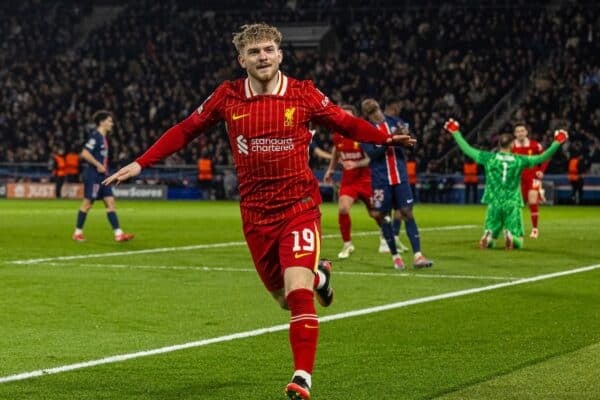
x=503, y=184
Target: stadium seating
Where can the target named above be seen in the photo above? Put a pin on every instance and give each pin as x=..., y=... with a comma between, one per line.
x=156, y=62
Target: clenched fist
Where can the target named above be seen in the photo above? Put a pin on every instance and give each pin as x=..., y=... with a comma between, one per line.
x=452, y=126
x=561, y=136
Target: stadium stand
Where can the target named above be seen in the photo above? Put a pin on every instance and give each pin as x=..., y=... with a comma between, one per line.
x=155, y=62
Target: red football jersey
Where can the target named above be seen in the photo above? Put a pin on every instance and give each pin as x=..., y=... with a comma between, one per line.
x=350, y=150
x=269, y=139
x=529, y=148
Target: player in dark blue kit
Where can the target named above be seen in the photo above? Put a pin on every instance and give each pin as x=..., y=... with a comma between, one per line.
x=95, y=153
x=391, y=188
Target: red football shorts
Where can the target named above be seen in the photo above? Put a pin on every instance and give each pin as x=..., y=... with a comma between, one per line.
x=529, y=184
x=360, y=191
x=294, y=242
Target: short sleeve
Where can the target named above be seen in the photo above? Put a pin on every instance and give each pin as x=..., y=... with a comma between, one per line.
x=210, y=111
x=321, y=109
x=90, y=144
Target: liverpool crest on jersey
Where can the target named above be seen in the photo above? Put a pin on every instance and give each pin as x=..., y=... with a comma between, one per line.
x=288, y=116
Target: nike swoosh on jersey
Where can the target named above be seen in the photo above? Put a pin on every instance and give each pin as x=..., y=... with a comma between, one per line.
x=300, y=255
x=235, y=117
x=311, y=326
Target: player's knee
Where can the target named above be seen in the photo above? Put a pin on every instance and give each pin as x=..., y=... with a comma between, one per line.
x=345, y=204
x=407, y=213
x=377, y=216
x=344, y=210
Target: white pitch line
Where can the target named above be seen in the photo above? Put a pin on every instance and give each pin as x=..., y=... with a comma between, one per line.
x=160, y=267
x=201, y=246
x=282, y=327
x=57, y=211
x=128, y=253
x=336, y=272
x=432, y=275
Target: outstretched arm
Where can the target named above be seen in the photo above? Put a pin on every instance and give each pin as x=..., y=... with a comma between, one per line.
x=128, y=171
x=174, y=139
x=466, y=147
x=560, y=136
x=325, y=113
x=540, y=172
x=452, y=127
x=362, y=131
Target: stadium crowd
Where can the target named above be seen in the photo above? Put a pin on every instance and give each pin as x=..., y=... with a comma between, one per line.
x=156, y=62
x=568, y=94
x=27, y=25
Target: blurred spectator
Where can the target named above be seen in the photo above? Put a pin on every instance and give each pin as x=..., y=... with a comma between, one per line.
x=411, y=171
x=470, y=179
x=152, y=70
x=205, y=175
x=58, y=166
x=577, y=166
x=72, y=166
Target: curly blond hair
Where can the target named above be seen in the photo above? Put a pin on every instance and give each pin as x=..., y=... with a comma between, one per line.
x=254, y=33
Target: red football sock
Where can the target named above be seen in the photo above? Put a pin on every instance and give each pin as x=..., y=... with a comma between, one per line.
x=345, y=223
x=534, y=208
x=304, y=328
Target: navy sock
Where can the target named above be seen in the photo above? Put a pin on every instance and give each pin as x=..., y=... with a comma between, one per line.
x=397, y=224
x=388, y=235
x=413, y=234
x=112, y=218
x=80, y=219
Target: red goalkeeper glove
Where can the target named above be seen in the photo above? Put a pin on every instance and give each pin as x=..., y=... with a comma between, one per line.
x=561, y=136
x=451, y=126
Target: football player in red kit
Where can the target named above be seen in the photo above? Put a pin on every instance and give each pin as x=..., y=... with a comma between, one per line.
x=355, y=183
x=531, y=178
x=267, y=115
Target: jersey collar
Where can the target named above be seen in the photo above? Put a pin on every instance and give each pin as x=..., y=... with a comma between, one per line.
x=279, y=90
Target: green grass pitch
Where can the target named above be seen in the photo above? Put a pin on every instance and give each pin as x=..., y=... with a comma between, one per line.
x=469, y=328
